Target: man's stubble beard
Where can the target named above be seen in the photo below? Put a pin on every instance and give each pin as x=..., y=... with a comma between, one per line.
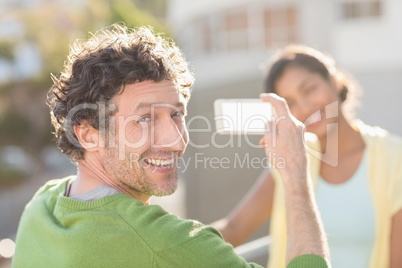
x=131, y=175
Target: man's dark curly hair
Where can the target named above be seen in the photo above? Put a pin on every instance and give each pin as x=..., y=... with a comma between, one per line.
x=98, y=70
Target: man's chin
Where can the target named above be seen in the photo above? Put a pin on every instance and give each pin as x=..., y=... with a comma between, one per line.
x=165, y=186
x=166, y=191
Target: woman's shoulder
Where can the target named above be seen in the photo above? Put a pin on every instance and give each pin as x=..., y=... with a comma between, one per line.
x=381, y=139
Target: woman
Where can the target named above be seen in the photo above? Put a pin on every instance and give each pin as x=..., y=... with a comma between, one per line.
x=355, y=169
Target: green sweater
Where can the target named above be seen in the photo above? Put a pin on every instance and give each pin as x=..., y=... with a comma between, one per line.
x=118, y=231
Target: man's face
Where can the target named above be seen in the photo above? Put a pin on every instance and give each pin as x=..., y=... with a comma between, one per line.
x=150, y=137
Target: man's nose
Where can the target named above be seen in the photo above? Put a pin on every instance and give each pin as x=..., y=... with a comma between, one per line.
x=170, y=135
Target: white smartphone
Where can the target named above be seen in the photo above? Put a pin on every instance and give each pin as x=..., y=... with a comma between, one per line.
x=242, y=116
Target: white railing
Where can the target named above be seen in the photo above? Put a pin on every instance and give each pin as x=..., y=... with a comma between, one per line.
x=254, y=249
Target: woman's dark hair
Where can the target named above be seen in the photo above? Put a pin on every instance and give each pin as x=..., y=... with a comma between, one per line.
x=309, y=59
x=98, y=69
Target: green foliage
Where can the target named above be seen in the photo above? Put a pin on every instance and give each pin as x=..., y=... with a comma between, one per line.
x=10, y=176
x=157, y=7
x=14, y=128
x=54, y=27
x=127, y=12
x=107, y=12
x=6, y=49
x=4, y=92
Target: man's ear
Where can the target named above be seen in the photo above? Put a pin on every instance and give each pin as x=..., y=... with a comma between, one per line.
x=87, y=136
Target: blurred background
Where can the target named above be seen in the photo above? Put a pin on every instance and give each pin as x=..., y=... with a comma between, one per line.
x=227, y=43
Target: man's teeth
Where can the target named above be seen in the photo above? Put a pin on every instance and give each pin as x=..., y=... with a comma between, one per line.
x=158, y=162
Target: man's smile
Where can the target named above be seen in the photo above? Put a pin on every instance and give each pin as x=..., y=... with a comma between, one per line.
x=159, y=162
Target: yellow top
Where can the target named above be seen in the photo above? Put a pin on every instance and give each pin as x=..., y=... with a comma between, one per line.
x=384, y=152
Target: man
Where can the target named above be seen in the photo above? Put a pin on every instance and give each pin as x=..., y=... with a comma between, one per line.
x=118, y=109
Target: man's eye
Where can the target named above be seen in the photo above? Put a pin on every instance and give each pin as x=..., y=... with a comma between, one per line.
x=180, y=114
x=144, y=119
